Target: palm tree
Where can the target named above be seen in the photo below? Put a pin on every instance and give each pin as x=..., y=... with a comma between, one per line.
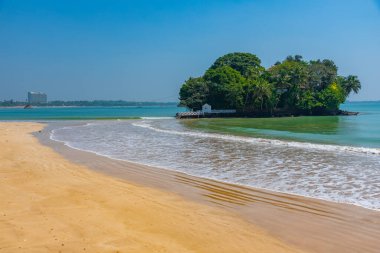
x=262, y=92
x=351, y=83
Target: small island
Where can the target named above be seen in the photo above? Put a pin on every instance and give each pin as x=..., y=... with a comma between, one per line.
x=293, y=87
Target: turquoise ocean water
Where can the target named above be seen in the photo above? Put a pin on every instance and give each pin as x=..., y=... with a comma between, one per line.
x=360, y=131
x=95, y=112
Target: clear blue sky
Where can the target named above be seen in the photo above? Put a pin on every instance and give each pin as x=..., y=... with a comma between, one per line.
x=144, y=50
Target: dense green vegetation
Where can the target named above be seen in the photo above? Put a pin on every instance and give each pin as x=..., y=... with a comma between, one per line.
x=238, y=81
x=10, y=103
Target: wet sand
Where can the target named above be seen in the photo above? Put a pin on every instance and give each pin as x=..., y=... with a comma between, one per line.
x=308, y=224
x=51, y=204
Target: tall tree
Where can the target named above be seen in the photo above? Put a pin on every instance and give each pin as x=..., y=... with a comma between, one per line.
x=331, y=97
x=350, y=84
x=248, y=65
x=225, y=87
x=289, y=78
x=193, y=93
x=259, y=95
x=321, y=74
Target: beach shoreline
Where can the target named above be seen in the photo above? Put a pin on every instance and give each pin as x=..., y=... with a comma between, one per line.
x=322, y=225
x=292, y=222
x=50, y=204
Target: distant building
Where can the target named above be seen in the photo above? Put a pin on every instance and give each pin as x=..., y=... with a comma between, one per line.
x=37, y=98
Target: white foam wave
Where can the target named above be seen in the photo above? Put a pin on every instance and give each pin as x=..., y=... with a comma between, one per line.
x=293, y=144
x=303, y=172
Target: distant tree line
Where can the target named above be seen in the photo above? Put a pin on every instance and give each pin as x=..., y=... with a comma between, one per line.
x=238, y=81
x=10, y=103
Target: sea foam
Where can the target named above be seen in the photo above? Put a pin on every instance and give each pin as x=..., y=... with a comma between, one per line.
x=294, y=144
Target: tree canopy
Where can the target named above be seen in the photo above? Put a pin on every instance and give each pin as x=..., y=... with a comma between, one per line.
x=246, y=64
x=238, y=81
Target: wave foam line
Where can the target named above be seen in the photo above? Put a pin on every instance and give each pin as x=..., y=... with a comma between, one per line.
x=207, y=135
x=68, y=144
x=293, y=144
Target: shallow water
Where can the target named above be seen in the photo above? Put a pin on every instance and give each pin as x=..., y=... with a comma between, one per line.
x=338, y=173
x=360, y=131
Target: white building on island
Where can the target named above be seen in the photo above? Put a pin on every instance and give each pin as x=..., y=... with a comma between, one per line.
x=204, y=113
x=206, y=108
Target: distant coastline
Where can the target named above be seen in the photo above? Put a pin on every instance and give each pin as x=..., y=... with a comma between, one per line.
x=79, y=103
x=363, y=101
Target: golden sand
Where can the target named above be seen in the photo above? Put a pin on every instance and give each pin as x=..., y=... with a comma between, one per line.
x=49, y=204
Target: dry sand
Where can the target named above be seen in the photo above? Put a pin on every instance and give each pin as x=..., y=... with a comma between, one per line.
x=49, y=204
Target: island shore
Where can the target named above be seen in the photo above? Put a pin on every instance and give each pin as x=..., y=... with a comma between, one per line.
x=49, y=204
x=274, y=114
x=54, y=198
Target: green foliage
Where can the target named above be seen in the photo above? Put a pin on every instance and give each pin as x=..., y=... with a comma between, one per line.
x=308, y=102
x=248, y=65
x=349, y=84
x=225, y=87
x=331, y=97
x=296, y=58
x=193, y=93
x=289, y=78
x=238, y=81
x=288, y=74
x=321, y=74
x=259, y=95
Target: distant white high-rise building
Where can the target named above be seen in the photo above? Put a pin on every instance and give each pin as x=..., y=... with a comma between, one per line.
x=37, y=98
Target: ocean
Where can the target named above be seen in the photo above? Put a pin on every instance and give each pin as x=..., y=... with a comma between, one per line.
x=86, y=113
x=330, y=158
x=359, y=131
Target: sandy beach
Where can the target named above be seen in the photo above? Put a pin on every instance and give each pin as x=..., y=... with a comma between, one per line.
x=54, y=198
x=49, y=204
x=309, y=224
